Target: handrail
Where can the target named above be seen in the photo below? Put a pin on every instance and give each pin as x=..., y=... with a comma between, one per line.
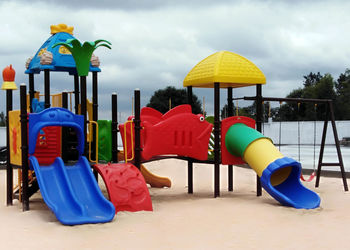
x=70, y=93
x=125, y=142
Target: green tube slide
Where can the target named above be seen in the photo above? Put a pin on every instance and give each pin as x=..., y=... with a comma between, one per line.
x=280, y=176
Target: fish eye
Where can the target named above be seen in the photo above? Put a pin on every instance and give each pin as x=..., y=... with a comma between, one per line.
x=201, y=118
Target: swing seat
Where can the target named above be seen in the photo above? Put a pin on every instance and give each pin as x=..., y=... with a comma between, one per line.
x=311, y=177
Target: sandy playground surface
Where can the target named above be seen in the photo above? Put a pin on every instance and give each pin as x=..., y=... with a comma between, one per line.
x=235, y=220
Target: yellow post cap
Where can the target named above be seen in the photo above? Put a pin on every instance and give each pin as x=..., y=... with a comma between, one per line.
x=61, y=28
x=8, y=74
x=8, y=85
x=227, y=68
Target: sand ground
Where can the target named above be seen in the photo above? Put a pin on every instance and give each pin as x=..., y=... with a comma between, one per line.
x=235, y=220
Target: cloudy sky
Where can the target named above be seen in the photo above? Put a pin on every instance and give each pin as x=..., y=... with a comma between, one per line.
x=156, y=43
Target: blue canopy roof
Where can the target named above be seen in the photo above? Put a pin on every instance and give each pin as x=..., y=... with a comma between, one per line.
x=62, y=59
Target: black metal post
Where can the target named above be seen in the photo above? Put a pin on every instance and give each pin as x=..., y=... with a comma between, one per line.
x=9, y=169
x=330, y=115
x=115, y=130
x=216, y=139
x=65, y=130
x=229, y=114
x=83, y=108
x=76, y=93
x=137, y=123
x=259, y=118
x=189, y=162
x=24, y=138
x=31, y=91
x=336, y=139
x=65, y=100
x=94, y=97
x=94, y=112
x=47, y=88
x=323, y=141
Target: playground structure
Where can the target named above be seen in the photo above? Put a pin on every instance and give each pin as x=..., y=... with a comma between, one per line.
x=63, y=164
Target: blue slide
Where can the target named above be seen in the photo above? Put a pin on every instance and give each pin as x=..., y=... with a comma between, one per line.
x=72, y=193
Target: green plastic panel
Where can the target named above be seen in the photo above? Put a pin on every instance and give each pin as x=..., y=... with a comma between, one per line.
x=104, y=140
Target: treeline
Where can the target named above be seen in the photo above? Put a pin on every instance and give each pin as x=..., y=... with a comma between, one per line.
x=169, y=97
x=315, y=86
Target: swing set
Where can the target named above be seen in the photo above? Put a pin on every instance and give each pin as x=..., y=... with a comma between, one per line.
x=329, y=117
x=313, y=174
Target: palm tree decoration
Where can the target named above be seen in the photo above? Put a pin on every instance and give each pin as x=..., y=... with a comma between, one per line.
x=82, y=53
x=82, y=56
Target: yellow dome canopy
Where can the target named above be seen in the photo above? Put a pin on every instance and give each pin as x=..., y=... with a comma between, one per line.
x=227, y=68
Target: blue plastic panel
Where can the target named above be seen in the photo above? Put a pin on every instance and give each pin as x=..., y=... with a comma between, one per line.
x=72, y=193
x=61, y=61
x=55, y=117
x=37, y=106
x=291, y=192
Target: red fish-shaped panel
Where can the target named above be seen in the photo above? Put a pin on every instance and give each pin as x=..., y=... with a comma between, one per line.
x=183, y=134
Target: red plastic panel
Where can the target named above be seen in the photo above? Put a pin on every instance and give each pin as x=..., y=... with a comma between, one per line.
x=181, y=109
x=151, y=115
x=181, y=134
x=226, y=157
x=177, y=132
x=126, y=187
x=48, y=145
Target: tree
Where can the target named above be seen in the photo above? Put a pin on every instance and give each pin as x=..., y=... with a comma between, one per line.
x=224, y=111
x=275, y=114
x=244, y=111
x=160, y=100
x=2, y=119
x=291, y=111
x=342, y=87
x=316, y=86
x=312, y=79
x=248, y=111
x=323, y=90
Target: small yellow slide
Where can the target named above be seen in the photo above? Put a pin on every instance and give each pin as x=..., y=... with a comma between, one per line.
x=155, y=180
x=150, y=178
